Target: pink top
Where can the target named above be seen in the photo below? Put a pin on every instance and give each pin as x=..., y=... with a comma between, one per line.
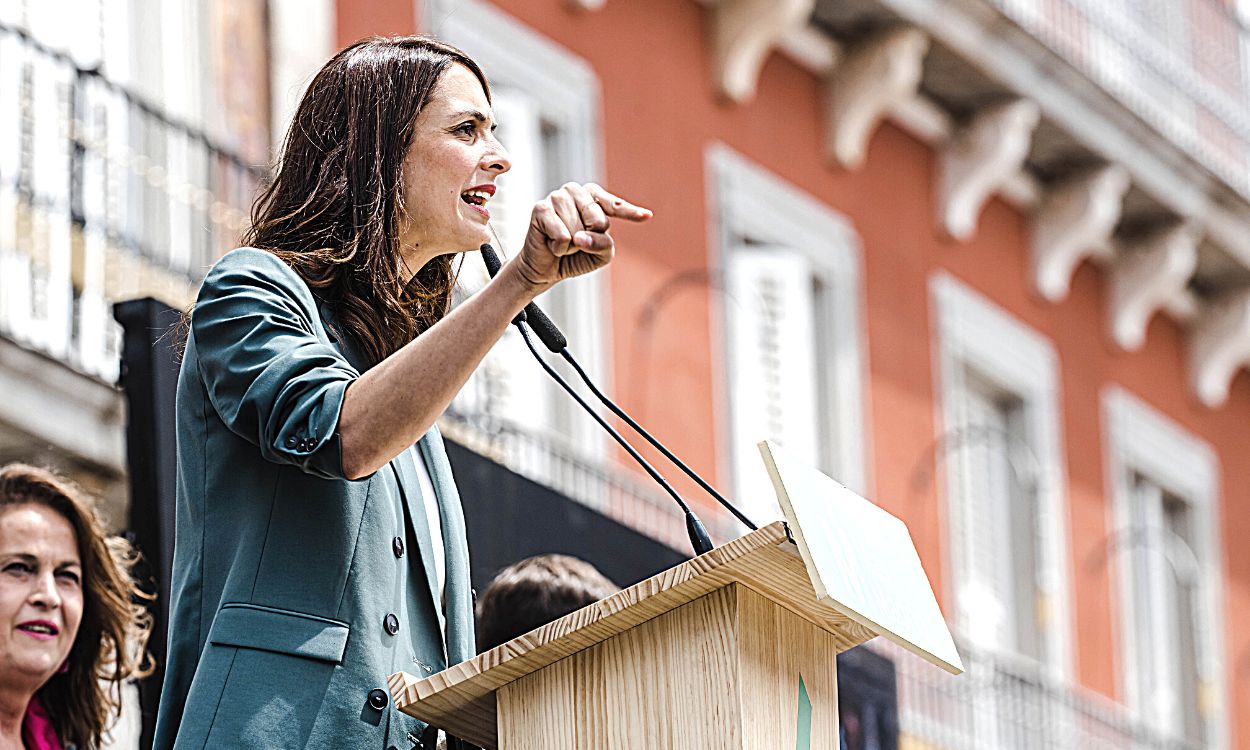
x=37, y=731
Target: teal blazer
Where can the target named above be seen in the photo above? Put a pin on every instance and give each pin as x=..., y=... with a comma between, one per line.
x=295, y=592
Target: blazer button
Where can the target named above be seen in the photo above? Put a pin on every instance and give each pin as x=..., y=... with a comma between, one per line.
x=397, y=544
x=377, y=698
x=391, y=623
x=292, y=441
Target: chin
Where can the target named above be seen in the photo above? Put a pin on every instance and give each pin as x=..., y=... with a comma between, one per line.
x=476, y=239
x=37, y=667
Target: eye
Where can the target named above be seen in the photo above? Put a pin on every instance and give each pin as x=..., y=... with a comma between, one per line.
x=69, y=576
x=466, y=128
x=18, y=568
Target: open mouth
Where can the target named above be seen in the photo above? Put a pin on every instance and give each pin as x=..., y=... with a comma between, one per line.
x=477, y=197
x=42, y=630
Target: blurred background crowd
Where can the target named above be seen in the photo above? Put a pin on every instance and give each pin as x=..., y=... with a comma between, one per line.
x=986, y=262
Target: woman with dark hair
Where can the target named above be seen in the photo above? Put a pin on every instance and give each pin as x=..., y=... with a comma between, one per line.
x=74, y=628
x=320, y=542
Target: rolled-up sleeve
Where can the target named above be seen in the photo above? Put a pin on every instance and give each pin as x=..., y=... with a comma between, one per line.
x=271, y=379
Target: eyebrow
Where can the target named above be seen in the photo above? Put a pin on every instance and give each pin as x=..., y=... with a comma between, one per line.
x=472, y=113
x=26, y=557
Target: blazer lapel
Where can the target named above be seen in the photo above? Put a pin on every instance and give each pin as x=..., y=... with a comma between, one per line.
x=459, y=593
x=410, y=489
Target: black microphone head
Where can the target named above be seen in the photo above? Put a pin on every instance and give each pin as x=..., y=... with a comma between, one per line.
x=545, y=330
x=491, y=259
x=699, y=538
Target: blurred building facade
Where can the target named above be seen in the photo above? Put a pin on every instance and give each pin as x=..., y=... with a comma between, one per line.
x=133, y=134
x=131, y=140
x=986, y=262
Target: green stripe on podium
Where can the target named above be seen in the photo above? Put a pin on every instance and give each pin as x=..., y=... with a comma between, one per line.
x=803, y=736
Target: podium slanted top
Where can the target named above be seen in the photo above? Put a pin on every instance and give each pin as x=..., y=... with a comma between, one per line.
x=861, y=559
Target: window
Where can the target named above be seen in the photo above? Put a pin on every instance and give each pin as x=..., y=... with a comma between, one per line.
x=545, y=101
x=101, y=197
x=1164, y=548
x=999, y=449
x=791, y=312
x=997, y=488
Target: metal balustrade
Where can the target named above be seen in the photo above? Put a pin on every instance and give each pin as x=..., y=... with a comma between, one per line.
x=1182, y=67
x=1003, y=702
x=601, y=486
x=102, y=198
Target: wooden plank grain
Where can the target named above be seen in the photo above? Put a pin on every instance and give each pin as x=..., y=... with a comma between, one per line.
x=461, y=701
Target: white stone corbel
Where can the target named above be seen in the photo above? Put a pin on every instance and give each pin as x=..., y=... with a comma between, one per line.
x=980, y=159
x=1219, y=344
x=876, y=76
x=1075, y=221
x=745, y=31
x=1146, y=276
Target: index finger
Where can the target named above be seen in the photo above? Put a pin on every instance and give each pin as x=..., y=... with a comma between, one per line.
x=618, y=207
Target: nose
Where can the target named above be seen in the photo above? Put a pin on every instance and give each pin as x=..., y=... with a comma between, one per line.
x=496, y=159
x=44, y=594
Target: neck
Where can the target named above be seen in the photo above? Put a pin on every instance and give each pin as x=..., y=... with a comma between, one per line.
x=413, y=259
x=13, y=702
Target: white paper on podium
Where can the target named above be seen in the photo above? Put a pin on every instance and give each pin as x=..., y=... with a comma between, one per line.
x=861, y=559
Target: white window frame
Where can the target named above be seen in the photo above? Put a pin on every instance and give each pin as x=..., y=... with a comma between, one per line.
x=746, y=200
x=568, y=94
x=975, y=334
x=1142, y=441
x=301, y=39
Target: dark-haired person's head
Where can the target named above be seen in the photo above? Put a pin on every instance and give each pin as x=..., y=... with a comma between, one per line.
x=72, y=628
x=533, y=592
x=374, y=193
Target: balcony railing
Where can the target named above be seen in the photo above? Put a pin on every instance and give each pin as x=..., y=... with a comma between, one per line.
x=102, y=198
x=1000, y=702
x=1179, y=66
x=601, y=486
x=1005, y=702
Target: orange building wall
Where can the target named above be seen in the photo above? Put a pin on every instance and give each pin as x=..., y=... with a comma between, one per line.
x=659, y=113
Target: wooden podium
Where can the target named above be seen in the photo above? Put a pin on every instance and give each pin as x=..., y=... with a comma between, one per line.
x=733, y=649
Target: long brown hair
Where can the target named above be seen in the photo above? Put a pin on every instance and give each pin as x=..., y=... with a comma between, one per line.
x=110, y=647
x=333, y=209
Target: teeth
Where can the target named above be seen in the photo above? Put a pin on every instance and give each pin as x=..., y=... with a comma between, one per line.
x=476, y=196
x=38, y=629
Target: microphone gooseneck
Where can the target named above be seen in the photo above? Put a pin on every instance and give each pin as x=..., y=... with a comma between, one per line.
x=618, y=411
x=699, y=538
x=555, y=341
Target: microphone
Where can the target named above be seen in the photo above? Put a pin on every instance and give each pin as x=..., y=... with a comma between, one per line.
x=542, y=326
x=557, y=343
x=695, y=529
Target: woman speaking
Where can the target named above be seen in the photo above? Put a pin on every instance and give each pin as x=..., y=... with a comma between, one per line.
x=320, y=541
